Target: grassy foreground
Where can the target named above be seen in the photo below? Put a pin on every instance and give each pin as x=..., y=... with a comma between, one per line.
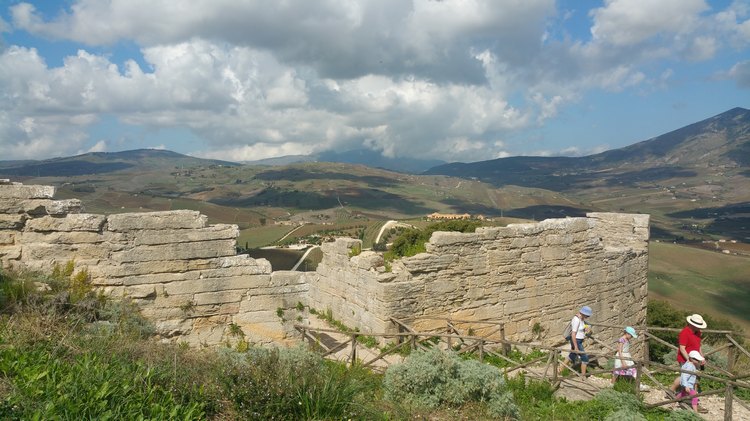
x=68, y=353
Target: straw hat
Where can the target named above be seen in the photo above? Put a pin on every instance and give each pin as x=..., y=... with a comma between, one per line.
x=697, y=321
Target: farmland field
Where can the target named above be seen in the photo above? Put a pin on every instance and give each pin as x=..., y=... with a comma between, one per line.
x=699, y=280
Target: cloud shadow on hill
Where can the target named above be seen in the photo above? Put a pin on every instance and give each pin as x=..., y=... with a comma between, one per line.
x=372, y=199
x=295, y=174
x=64, y=169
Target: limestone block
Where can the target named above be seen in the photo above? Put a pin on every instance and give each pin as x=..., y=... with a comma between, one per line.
x=443, y=238
x=72, y=222
x=12, y=222
x=241, y=260
x=234, y=271
x=181, y=251
x=200, y=312
x=167, y=236
x=554, y=253
x=368, y=260
x=110, y=270
x=175, y=327
x=19, y=191
x=10, y=252
x=57, y=237
x=7, y=237
x=286, y=277
x=426, y=262
x=178, y=219
x=140, y=291
x=64, y=252
x=220, y=297
x=158, y=278
x=214, y=284
x=525, y=242
x=531, y=257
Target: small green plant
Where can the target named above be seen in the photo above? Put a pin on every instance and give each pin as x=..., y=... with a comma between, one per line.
x=235, y=330
x=356, y=250
x=187, y=306
x=300, y=306
x=299, y=319
x=280, y=313
x=537, y=329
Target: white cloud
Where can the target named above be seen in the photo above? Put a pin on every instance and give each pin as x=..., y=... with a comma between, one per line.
x=740, y=72
x=253, y=79
x=629, y=22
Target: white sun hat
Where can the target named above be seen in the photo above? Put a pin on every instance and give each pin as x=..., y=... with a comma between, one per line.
x=697, y=321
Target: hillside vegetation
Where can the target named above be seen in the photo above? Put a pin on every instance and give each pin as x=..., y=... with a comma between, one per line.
x=69, y=353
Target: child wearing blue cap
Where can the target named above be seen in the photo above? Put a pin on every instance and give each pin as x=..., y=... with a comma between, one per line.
x=623, y=360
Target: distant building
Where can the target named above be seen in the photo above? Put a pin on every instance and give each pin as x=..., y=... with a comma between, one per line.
x=447, y=216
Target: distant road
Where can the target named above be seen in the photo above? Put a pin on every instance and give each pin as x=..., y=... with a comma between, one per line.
x=389, y=225
x=304, y=256
x=287, y=234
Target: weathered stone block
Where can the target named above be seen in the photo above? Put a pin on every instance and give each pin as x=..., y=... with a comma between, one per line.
x=58, y=237
x=178, y=219
x=19, y=191
x=164, y=236
x=220, y=297
x=73, y=222
x=12, y=222
x=181, y=251
x=38, y=207
x=426, y=262
x=64, y=252
x=7, y=237
x=215, y=284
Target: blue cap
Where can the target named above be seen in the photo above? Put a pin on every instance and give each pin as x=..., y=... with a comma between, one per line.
x=631, y=331
x=586, y=311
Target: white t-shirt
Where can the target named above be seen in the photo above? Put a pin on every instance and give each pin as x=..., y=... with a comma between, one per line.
x=577, y=327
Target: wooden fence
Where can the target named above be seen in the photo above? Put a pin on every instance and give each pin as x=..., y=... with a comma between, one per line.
x=487, y=338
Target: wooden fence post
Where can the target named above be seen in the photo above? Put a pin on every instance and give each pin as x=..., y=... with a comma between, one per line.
x=481, y=350
x=354, y=349
x=502, y=338
x=637, y=384
x=448, y=331
x=646, y=351
x=413, y=340
x=555, y=356
x=728, y=395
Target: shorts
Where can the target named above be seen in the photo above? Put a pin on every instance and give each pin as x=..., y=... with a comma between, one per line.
x=573, y=356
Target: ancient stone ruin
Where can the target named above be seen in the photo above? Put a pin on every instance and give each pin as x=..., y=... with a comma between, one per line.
x=186, y=277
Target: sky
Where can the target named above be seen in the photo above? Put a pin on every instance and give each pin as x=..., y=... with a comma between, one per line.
x=455, y=80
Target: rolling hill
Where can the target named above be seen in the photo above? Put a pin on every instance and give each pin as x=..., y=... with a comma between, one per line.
x=694, y=181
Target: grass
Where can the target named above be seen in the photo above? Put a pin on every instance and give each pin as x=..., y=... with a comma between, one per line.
x=701, y=281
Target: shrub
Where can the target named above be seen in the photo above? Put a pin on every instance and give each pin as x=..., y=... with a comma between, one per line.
x=614, y=400
x=433, y=378
x=625, y=415
x=412, y=241
x=293, y=384
x=683, y=415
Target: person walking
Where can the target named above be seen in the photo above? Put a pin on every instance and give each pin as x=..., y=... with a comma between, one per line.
x=577, y=335
x=688, y=380
x=624, y=365
x=689, y=340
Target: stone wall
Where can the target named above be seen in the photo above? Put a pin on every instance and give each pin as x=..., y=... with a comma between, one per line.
x=523, y=275
x=185, y=275
x=187, y=278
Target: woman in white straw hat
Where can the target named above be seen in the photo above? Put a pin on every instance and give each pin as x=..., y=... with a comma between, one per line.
x=689, y=340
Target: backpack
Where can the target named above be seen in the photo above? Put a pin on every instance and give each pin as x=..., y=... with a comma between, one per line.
x=568, y=331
